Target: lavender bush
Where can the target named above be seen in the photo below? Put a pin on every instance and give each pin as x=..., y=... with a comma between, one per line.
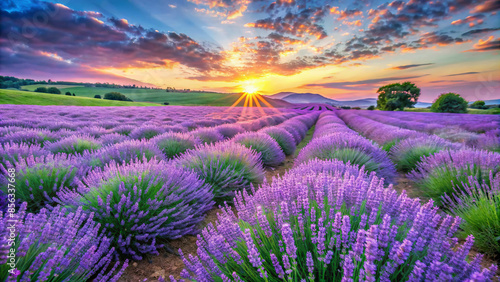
x=11, y=153
x=74, y=144
x=284, y=139
x=39, y=179
x=321, y=227
x=407, y=153
x=478, y=204
x=349, y=148
x=123, y=152
x=142, y=203
x=145, y=132
x=227, y=166
x=56, y=246
x=207, y=135
x=174, y=144
x=439, y=173
x=270, y=151
x=230, y=130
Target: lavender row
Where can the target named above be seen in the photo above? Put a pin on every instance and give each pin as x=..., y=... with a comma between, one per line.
x=331, y=221
x=453, y=132
x=332, y=139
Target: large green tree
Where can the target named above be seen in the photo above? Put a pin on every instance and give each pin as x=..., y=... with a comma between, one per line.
x=397, y=96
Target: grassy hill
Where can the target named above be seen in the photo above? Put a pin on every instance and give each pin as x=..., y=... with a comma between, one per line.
x=493, y=111
x=161, y=96
x=33, y=98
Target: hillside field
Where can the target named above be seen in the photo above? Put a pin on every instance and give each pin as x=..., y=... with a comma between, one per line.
x=161, y=96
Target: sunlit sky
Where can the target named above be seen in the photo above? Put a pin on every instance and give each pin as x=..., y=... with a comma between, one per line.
x=341, y=49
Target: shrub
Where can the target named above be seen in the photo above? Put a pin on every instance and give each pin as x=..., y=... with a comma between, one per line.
x=53, y=90
x=29, y=136
x=331, y=228
x=174, y=144
x=438, y=173
x=124, y=129
x=350, y=148
x=270, y=151
x=116, y=96
x=229, y=130
x=123, y=152
x=449, y=103
x=41, y=89
x=397, y=96
x=228, y=167
x=479, y=105
x=56, y=246
x=38, y=180
x=207, y=135
x=74, y=145
x=283, y=138
x=166, y=103
x=67, y=93
x=297, y=136
x=408, y=152
x=145, y=132
x=371, y=108
x=478, y=204
x=97, y=96
x=143, y=203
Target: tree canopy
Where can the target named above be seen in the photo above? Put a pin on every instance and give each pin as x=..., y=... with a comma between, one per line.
x=449, y=103
x=397, y=96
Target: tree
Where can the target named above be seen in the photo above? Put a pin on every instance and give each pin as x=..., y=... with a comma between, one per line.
x=74, y=94
x=116, y=96
x=479, y=105
x=371, y=108
x=68, y=93
x=397, y=96
x=53, y=90
x=97, y=96
x=449, y=103
x=41, y=89
x=166, y=103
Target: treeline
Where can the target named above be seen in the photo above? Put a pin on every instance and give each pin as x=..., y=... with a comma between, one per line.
x=14, y=82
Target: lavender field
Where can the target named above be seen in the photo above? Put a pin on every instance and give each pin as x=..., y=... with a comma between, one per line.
x=103, y=194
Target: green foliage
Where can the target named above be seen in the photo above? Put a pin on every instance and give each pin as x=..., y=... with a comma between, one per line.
x=449, y=103
x=408, y=161
x=53, y=90
x=67, y=93
x=479, y=105
x=116, y=96
x=41, y=89
x=397, y=96
x=97, y=96
x=371, y=108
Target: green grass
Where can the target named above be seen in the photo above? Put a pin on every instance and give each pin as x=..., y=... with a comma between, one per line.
x=32, y=98
x=494, y=111
x=159, y=96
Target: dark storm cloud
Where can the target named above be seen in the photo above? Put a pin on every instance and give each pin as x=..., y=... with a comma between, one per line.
x=404, y=67
x=86, y=38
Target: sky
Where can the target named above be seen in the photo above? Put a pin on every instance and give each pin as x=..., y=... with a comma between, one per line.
x=343, y=50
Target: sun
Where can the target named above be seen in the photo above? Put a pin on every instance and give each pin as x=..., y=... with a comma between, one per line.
x=249, y=87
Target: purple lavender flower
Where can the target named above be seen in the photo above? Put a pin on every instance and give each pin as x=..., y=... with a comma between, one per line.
x=207, y=135
x=229, y=130
x=57, y=245
x=228, y=167
x=174, y=144
x=74, y=144
x=146, y=132
x=11, y=153
x=282, y=137
x=142, y=202
x=270, y=151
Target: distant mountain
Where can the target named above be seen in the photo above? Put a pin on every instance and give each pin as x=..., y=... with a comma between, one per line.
x=306, y=98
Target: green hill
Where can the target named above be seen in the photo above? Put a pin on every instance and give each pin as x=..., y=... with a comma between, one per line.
x=34, y=98
x=161, y=96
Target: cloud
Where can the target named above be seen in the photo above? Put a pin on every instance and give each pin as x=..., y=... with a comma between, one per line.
x=303, y=23
x=471, y=20
x=404, y=67
x=229, y=9
x=463, y=73
x=479, y=31
x=368, y=83
x=487, y=6
x=87, y=38
x=490, y=44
